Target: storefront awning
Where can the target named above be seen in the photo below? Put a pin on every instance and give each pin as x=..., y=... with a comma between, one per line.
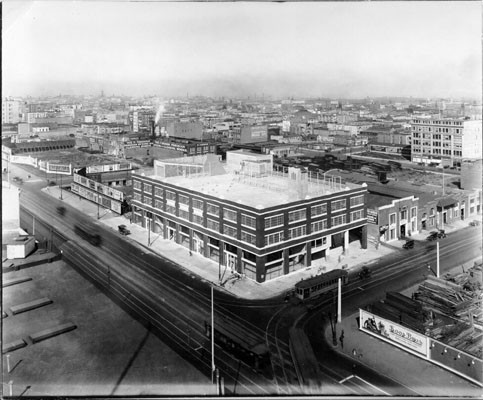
x=446, y=202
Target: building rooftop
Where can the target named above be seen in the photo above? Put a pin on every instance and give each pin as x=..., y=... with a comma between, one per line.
x=261, y=191
x=379, y=200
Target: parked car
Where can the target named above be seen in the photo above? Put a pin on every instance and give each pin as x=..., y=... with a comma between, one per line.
x=408, y=245
x=123, y=230
x=365, y=272
x=432, y=236
x=441, y=234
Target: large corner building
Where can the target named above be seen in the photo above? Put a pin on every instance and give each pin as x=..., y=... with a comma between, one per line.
x=248, y=217
x=446, y=142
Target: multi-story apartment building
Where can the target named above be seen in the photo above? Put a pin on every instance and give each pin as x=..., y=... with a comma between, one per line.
x=445, y=141
x=142, y=120
x=11, y=110
x=246, y=216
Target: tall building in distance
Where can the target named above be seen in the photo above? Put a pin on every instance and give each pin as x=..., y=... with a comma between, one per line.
x=246, y=216
x=445, y=142
x=11, y=111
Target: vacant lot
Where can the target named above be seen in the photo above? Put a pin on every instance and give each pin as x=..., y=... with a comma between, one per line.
x=109, y=353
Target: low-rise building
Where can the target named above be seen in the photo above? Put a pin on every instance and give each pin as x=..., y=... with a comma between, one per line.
x=390, y=218
x=246, y=134
x=106, y=185
x=185, y=130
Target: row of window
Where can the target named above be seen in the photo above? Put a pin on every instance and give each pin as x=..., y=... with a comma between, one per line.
x=437, y=122
x=434, y=136
x=247, y=220
x=457, y=153
x=404, y=214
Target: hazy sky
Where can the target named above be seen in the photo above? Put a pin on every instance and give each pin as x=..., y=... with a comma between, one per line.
x=238, y=49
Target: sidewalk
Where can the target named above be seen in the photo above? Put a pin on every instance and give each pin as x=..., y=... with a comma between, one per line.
x=421, y=236
x=422, y=376
x=208, y=269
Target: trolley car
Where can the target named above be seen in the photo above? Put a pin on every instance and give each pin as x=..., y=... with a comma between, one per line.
x=314, y=287
x=88, y=234
x=243, y=344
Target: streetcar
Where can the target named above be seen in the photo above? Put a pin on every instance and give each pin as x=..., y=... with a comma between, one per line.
x=240, y=342
x=88, y=234
x=314, y=287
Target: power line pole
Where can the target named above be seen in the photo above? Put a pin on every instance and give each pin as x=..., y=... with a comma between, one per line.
x=61, y=187
x=212, y=338
x=339, y=301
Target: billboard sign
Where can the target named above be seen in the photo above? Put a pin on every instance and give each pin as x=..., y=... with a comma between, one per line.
x=372, y=216
x=392, y=332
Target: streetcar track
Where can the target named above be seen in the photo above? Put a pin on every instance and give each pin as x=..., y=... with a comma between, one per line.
x=147, y=312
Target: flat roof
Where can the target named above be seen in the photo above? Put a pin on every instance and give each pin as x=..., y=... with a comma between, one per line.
x=260, y=193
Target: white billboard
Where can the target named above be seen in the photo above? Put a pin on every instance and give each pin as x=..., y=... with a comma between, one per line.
x=392, y=332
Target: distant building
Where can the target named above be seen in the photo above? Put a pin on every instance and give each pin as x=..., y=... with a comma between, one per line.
x=32, y=146
x=142, y=120
x=184, y=146
x=445, y=142
x=185, y=130
x=11, y=111
x=31, y=117
x=355, y=128
x=250, y=134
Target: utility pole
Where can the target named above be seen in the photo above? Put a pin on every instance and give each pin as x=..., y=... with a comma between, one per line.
x=339, y=301
x=212, y=338
x=149, y=232
x=437, y=259
x=61, y=187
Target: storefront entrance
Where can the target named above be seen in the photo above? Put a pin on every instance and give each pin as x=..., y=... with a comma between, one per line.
x=230, y=261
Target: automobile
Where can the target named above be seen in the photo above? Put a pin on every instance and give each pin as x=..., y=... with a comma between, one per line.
x=365, y=272
x=475, y=223
x=432, y=236
x=123, y=230
x=441, y=234
x=408, y=245
x=61, y=210
x=289, y=295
